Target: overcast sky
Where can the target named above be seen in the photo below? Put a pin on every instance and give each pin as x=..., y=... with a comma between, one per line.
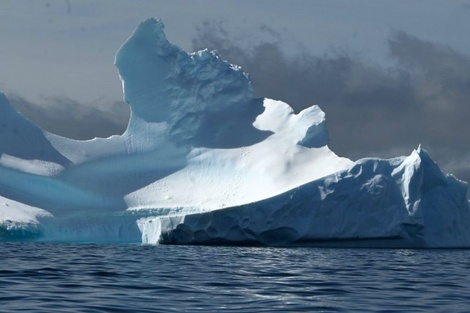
x=389, y=74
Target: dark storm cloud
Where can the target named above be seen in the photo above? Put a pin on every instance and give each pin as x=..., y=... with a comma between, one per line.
x=66, y=117
x=371, y=110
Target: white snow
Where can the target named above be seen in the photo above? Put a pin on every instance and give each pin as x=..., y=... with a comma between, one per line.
x=204, y=162
x=37, y=167
x=16, y=217
x=221, y=178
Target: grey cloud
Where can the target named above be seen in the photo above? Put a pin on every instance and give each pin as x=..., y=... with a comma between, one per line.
x=440, y=81
x=371, y=110
x=67, y=117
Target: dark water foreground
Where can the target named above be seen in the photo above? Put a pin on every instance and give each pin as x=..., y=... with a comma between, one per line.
x=46, y=277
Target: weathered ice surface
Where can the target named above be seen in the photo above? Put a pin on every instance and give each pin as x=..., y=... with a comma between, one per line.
x=204, y=162
x=402, y=202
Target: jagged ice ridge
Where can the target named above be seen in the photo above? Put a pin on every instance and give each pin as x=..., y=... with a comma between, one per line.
x=204, y=162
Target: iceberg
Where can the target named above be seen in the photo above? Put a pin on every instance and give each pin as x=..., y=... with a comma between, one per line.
x=204, y=162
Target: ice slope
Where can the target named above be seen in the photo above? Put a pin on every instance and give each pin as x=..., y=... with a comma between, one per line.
x=204, y=162
x=20, y=220
x=219, y=178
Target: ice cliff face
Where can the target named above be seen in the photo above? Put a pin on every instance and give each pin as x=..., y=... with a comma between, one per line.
x=203, y=162
x=402, y=202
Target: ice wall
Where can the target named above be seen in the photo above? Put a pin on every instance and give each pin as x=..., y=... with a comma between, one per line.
x=401, y=202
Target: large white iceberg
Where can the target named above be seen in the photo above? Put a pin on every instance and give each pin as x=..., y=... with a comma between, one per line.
x=204, y=162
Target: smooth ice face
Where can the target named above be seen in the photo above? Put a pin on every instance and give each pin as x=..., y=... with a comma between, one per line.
x=202, y=162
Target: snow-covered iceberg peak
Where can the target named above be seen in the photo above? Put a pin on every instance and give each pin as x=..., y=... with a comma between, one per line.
x=237, y=149
x=204, y=101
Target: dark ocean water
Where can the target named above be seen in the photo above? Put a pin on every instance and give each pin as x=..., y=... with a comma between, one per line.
x=46, y=277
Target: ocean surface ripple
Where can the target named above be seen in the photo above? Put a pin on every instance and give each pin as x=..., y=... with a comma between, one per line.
x=49, y=277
